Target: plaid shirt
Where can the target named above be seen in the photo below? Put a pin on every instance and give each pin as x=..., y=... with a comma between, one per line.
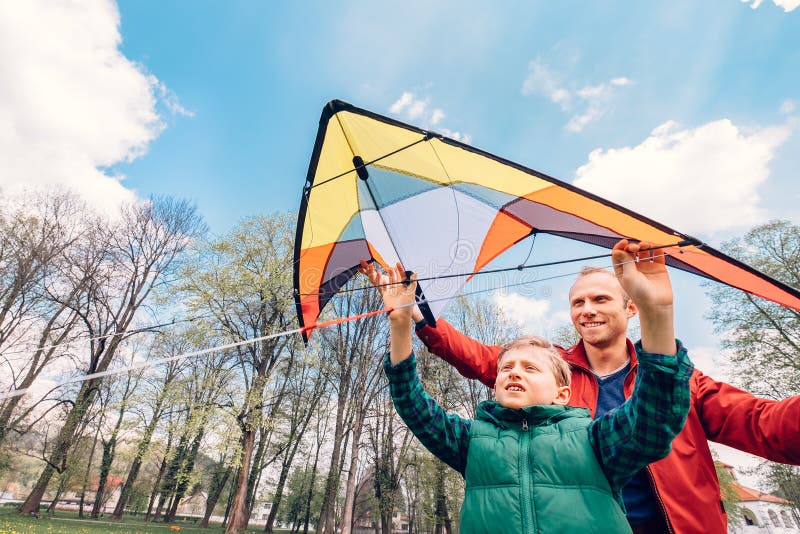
x=625, y=439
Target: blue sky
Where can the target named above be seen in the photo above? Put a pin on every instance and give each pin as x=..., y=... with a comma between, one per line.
x=684, y=111
x=256, y=74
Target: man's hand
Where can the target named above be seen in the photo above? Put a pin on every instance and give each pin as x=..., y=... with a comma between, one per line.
x=642, y=273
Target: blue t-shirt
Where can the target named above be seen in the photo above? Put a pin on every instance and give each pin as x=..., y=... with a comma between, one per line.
x=640, y=504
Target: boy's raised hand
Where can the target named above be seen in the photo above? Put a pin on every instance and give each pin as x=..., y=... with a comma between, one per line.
x=395, y=288
x=642, y=273
x=376, y=278
x=382, y=283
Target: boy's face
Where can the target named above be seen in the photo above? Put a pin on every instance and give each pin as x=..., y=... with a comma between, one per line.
x=525, y=377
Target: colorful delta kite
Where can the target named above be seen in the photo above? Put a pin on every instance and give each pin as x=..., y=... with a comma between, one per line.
x=380, y=190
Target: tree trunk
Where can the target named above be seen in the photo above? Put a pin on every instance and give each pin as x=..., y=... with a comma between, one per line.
x=238, y=518
x=325, y=525
x=157, y=485
x=256, y=466
x=105, y=468
x=88, y=471
x=214, y=493
x=350, y=491
x=276, y=500
x=183, y=477
x=58, y=458
x=443, y=523
x=311, y=486
x=171, y=476
x=136, y=465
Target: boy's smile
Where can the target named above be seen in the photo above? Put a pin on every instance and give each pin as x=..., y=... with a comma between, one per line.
x=525, y=377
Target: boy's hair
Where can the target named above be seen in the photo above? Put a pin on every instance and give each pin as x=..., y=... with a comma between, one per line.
x=591, y=269
x=558, y=365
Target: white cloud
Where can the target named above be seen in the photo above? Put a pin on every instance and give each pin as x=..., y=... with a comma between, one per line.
x=788, y=106
x=532, y=315
x=786, y=5
x=698, y=180
x=586, y=104
x=71, y=103
x=542, y=80
x=705, y=359
x=419, y=111
x=401, y=103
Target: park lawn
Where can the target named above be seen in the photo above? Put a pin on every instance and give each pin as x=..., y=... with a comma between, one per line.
x=12, y=523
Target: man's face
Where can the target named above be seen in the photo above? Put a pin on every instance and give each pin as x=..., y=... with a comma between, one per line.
x=598, y=309
x=525, y=378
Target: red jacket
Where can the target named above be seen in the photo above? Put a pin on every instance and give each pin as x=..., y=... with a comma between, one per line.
x=685, y=482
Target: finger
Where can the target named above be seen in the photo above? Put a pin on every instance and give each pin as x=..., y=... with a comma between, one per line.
x=654, y=256
x=620, y=255
x=411, y=281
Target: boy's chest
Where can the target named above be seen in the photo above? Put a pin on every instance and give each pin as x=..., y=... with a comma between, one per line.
x=552, y=454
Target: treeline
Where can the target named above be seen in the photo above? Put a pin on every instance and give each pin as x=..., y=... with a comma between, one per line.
x=310, y=429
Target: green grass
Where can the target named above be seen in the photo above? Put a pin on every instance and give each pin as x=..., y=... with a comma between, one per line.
x=66, y=523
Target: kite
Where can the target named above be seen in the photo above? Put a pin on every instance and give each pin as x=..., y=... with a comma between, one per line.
x=381, y=190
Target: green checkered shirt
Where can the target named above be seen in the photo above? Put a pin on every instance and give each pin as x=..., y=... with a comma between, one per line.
x=625, y=439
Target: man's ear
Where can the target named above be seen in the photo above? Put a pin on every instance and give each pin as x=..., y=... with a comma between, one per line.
x=631, y=308
x=563, y=395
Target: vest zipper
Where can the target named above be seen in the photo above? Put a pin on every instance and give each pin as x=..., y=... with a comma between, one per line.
x=525, y=485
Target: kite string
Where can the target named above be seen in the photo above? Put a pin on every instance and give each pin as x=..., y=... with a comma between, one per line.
x=325, y=324
x=80, y=338
x=502, y=269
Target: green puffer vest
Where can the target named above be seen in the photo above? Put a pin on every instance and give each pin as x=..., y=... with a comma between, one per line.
x=534, y=471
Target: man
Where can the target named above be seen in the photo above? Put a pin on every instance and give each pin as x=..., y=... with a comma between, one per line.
x=681, y=492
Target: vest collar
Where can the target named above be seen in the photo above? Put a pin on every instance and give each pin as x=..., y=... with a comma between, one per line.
x=492, y=412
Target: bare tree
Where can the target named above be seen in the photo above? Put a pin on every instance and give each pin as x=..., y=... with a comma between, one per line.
x=354, y=350
x=242, y=282
x=159, y=390
x=109, y=445
x=390, y=440
x=38, y=235
x=138, y=252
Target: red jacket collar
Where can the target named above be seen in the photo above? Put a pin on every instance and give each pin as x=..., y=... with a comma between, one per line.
x=576, y=355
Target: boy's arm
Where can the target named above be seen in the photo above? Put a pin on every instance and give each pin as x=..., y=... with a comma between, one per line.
x=470, y=357
x=445, y=435
x=641, y=430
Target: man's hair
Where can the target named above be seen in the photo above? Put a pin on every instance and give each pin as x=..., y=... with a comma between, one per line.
x=558, y=365
x=591, y=269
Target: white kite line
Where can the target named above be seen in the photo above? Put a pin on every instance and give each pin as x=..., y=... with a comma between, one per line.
x=159, y=361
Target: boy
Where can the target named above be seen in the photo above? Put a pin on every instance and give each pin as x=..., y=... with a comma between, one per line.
x=532, y=463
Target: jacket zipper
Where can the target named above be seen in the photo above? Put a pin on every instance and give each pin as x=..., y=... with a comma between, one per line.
x=527, y=510
x=661, y=506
